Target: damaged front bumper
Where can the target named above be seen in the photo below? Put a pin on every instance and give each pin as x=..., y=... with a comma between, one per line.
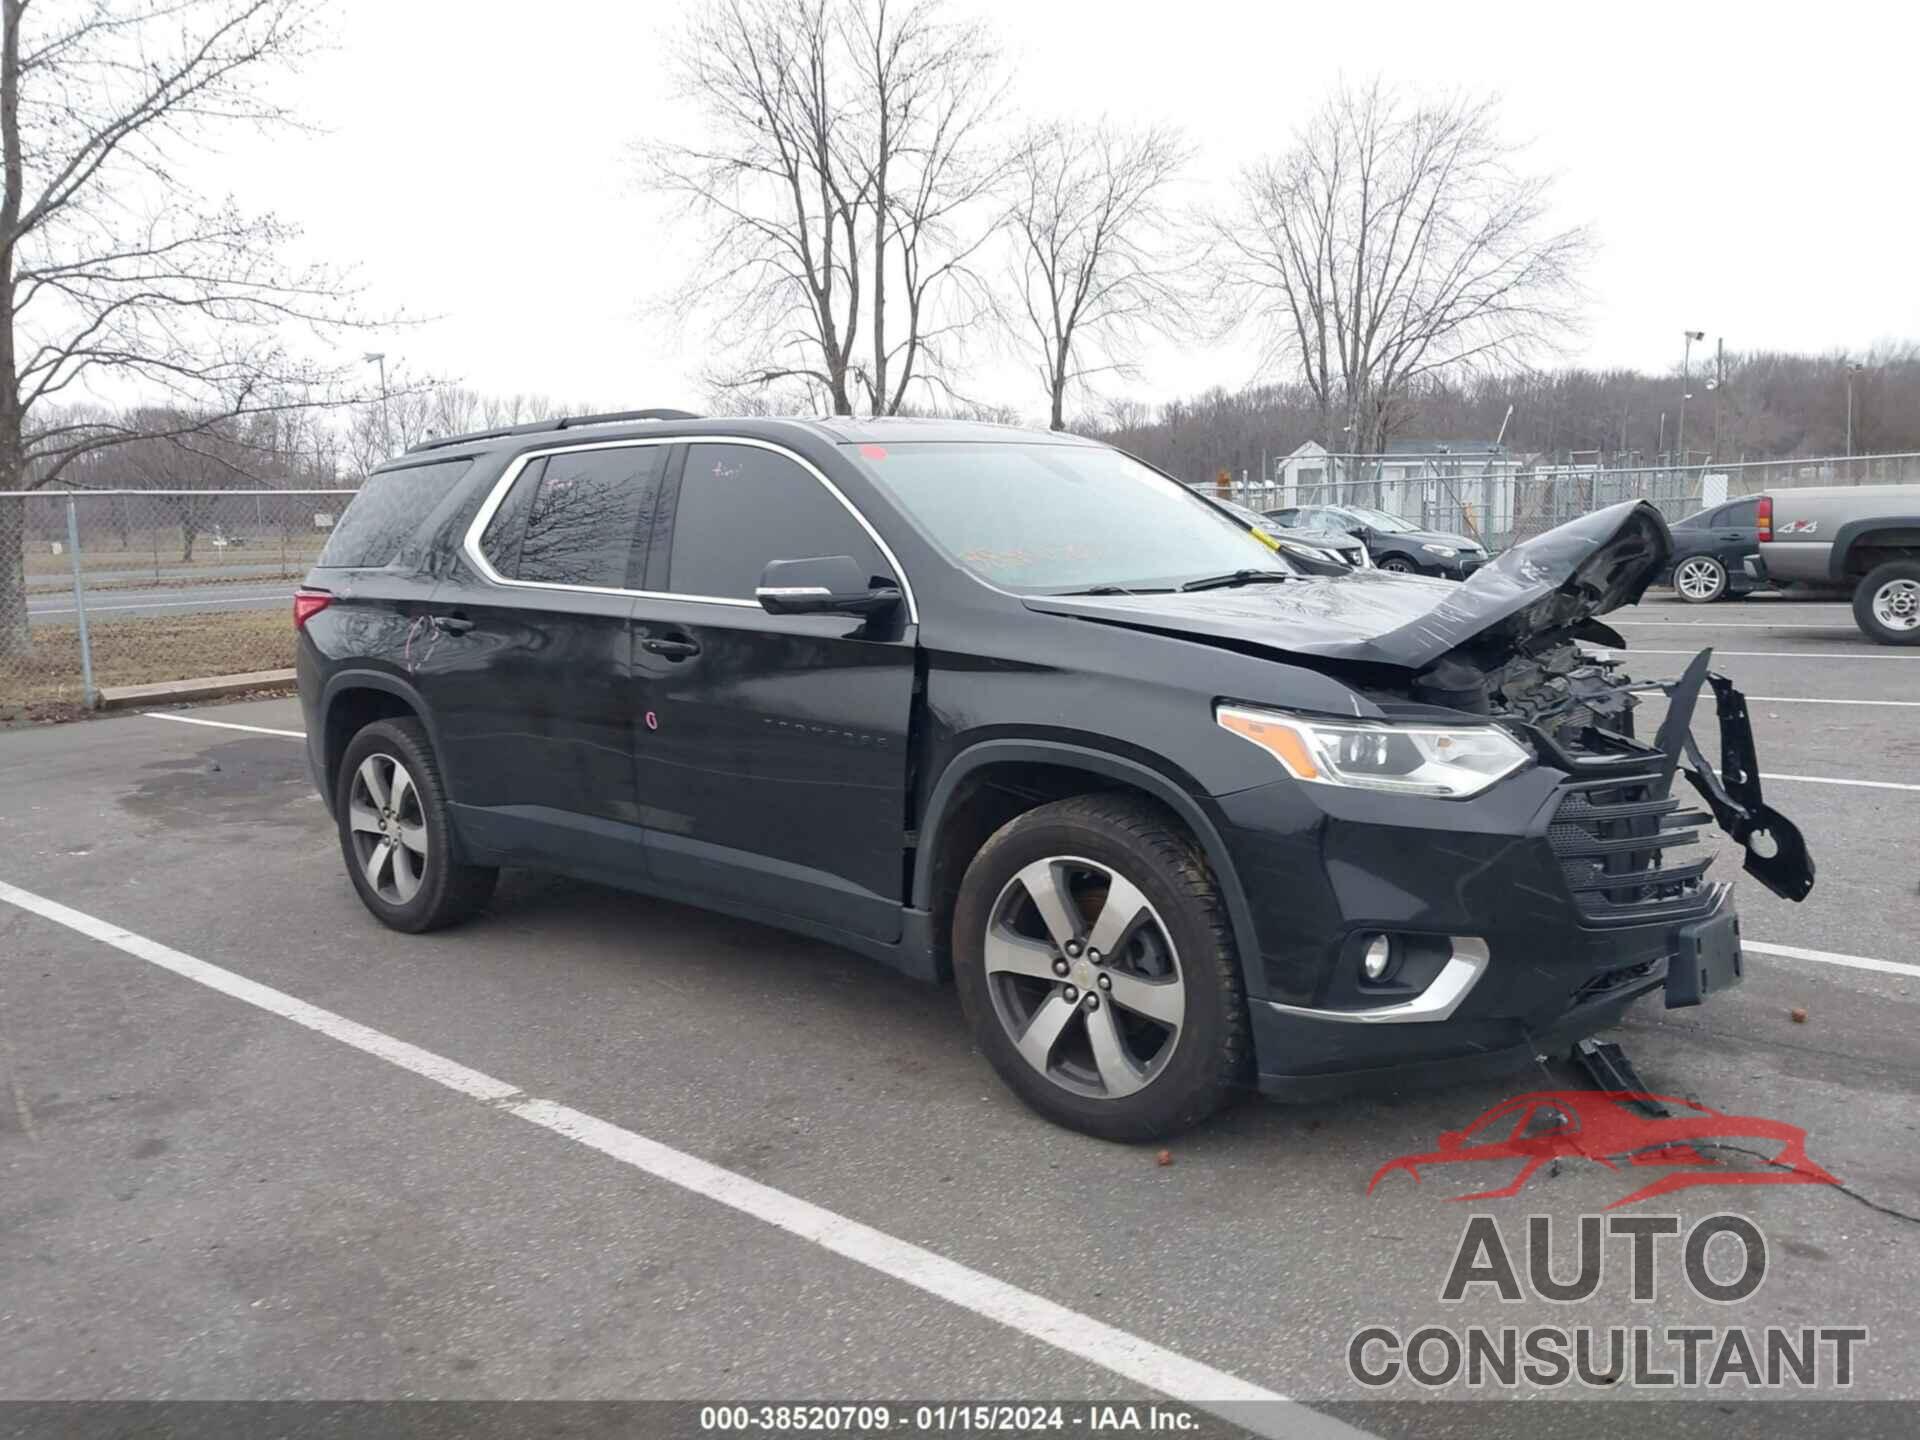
x=1521, y=920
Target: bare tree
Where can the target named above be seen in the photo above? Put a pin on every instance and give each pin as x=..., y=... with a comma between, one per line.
x=1395, y=242
x=113, y=275
x=845, y=181
x=1095, y=250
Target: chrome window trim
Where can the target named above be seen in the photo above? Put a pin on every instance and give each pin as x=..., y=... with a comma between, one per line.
x=470, y=545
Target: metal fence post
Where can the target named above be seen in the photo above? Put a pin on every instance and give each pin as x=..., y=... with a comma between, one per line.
x=88, y=695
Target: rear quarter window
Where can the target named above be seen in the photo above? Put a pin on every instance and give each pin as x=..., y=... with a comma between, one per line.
x=388, y=509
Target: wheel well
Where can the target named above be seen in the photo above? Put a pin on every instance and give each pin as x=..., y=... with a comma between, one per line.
x=1880, y=546
x=984, y=801
x=351, y=712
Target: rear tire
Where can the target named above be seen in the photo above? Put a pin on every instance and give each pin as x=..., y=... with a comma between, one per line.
x=390, y=806
x=1700, y=580
x=1886, y=606
x=1165, y=1041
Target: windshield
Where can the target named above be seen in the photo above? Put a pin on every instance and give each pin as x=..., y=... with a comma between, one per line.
x=1052, y=518
x=1380, y=520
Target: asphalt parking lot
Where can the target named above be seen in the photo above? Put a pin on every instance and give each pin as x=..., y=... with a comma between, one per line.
x=209, y=1192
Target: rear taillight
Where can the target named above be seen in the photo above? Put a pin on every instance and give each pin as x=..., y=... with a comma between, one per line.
x=1766, y=517
x=307, y=604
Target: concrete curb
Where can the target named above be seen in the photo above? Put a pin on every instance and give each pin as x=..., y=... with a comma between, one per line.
x=207, y=687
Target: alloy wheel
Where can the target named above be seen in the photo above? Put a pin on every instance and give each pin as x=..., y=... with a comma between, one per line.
x=1699, y=578
x=1896, y=605
x=389, y=828
x=1084, y=977
x=1397, y=565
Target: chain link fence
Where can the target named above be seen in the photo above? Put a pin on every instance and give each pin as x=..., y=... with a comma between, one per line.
x=109, y=588
x=1498, y=501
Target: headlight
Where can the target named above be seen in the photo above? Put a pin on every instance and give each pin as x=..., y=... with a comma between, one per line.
x=1452, y=762
x=1446, y=552
x=1312, y=553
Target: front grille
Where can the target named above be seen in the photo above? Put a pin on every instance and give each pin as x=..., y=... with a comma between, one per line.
x=1615, y=840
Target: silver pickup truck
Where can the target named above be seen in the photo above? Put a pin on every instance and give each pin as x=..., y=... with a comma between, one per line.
x=1864, y=539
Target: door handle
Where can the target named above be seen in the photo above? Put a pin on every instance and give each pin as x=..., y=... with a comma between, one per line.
x=675, y=647
x=452, y=624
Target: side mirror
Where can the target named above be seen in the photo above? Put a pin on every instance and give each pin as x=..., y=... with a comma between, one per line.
x=823, y=585
x=1359, y=532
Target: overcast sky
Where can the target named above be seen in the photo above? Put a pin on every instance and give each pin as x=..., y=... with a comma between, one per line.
x=1747, y=169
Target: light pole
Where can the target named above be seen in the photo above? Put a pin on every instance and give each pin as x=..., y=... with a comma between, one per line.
x=1853, y=369
x=1686, y=361
x=379, y=357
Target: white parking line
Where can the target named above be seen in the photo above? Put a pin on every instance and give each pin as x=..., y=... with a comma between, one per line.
x=1821, y=700
x=223, y=724
x=184, y=604
x=1764, y=654
x=1830, y=780
x=1828, y=957
x=1082, y=1336
x=1838, y=621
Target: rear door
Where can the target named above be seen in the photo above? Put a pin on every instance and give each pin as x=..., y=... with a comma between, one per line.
x=771, y=764
x=1738, y=523
x=527, y=660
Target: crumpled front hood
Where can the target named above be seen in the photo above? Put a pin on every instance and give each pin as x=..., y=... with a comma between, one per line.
x=1553, y=582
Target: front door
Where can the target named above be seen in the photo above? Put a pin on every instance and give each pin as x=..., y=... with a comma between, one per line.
x=771, y=761
x=527, y=662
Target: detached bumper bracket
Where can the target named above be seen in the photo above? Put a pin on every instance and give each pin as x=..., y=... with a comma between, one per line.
x=1777, y=853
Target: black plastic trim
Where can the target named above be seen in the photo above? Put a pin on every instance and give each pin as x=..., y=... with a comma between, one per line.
x=1113, y=767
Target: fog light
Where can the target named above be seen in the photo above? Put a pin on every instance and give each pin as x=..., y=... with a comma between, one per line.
x=1377, y=958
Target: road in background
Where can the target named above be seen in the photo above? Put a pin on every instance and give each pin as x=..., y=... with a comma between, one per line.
x=57, y=607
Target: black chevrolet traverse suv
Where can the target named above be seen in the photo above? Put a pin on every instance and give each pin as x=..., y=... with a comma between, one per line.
x=1018, y=710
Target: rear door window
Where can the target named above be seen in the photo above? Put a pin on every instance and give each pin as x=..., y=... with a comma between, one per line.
x=741, y=506
x=570, y=519
x=1741, y=515
x=384, y=515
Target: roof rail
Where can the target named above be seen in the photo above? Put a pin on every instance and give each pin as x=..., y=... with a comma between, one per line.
x=564, y=422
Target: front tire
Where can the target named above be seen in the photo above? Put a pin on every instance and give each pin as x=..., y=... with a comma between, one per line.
x=1886, y=606
x=1700, y=580
x=1399, y=565
x=396, y=837
x=1098, y=971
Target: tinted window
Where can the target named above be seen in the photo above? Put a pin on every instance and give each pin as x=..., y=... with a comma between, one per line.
x=569, y=520
x=741, y=507
x=388, y=509
x=501, y=542
x=1742, y=513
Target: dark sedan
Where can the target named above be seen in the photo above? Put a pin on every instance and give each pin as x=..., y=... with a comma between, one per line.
x=1393, y=543
x=1716, y=553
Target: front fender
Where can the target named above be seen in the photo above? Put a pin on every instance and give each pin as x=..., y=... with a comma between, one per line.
x=1119, y=768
